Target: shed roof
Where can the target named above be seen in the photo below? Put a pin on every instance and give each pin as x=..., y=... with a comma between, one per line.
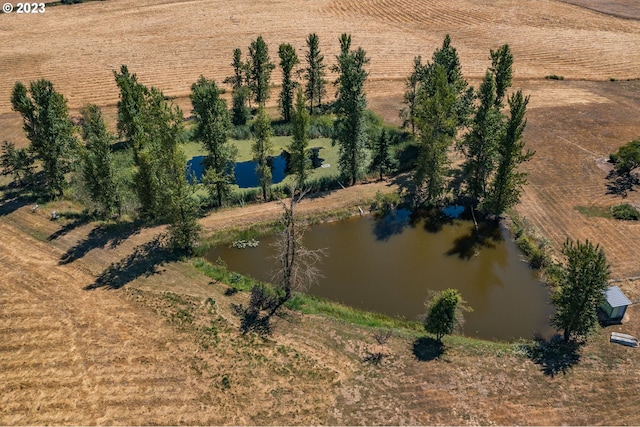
x=615, y=297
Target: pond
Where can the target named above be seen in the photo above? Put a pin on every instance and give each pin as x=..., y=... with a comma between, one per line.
x=245, y=172
x=390, y=264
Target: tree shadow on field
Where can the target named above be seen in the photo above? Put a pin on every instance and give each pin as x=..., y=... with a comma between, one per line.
x=554, y=356
x=145, y=260
x=99, y=237
x=620, y=184
x=487, y=235
x=10, y=205
x=426, y=349
x=78, y=220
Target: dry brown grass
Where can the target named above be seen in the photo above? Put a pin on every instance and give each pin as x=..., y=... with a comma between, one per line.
x=70, y=356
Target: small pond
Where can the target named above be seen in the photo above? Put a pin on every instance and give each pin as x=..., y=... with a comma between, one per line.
x=389, y=265
x=245, y=172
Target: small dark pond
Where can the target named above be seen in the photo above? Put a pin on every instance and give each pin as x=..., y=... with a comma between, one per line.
x=245, y=172
x=388, y=265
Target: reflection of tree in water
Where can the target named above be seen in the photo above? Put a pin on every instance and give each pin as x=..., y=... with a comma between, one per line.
x=468, y=246
x=487, y=235
x=391, y=223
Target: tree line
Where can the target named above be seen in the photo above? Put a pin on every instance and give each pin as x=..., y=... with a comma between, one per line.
x=440, y=106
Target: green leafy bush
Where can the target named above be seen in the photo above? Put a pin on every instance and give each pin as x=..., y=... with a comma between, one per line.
x=625, y=212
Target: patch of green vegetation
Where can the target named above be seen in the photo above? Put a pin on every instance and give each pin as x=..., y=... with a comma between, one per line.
x=594, y=211
x=554, y=77
x=625, y=212
x=309, y=304
x=220, y=273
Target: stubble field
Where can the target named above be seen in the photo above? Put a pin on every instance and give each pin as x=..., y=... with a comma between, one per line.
x=131, y=356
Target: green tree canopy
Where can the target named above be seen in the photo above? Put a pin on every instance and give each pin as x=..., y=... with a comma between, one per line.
x=436, y=121
x=288, y=60
x=17, y=162
x=349, y=129
x=97, y=162
x=444, y=313
x=262, y=149
x=581, y=289
x=506, y=187
x=480, y=144
x=46, y=122
x=502, y=70
x=627, y=157
x=381, y=162
x=314, y=72
x=300, y=162
x=213, y=124
x=259, y=70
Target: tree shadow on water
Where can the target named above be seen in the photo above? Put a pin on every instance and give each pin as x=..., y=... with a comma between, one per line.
x=434, y=219
x=554, y=356
x=145, y=260
x=426, y=349
x=391, y=223
x=487, y=235
x=100, y=237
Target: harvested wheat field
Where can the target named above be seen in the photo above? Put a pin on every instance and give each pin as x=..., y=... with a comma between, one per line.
x=157, y=342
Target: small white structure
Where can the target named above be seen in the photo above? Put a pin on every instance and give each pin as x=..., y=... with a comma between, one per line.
x=615, y=304
x=624, y=339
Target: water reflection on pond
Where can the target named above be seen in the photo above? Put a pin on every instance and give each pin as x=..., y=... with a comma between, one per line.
x=389, y=264
x=245, y=172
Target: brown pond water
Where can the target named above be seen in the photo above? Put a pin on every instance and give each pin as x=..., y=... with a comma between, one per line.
x=389, y=265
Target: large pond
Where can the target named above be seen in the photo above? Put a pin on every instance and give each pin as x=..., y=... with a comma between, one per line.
x=245, y=172
x=389, y=265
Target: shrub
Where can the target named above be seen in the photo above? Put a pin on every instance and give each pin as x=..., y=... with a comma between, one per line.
x=242, y=132
x=281, y=129
x=554, y=77
x=536, y=253
x=625, y=212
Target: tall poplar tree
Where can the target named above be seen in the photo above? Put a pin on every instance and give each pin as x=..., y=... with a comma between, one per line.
x=412, y=83
x=349, y=128
x=300, y=162
x=315, y=72
x=288, y=60
x=262, y=149
x=259, y=70
x=502, y=69
x=46, y=122
x=480, y=144
x=506, y=187
x=213, y=124
x=130, y=104
x=436, y=121
x=97, y=162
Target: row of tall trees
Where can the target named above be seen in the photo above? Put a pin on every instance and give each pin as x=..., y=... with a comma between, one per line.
x=440, y=106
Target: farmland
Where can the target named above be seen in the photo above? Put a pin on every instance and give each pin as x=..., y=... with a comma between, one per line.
x=146, y=353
